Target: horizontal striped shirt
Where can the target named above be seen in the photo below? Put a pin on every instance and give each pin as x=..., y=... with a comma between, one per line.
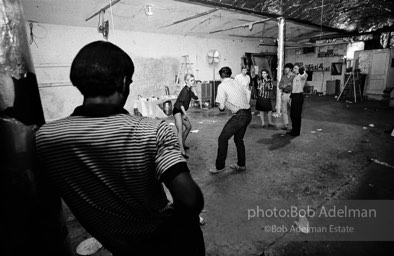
x=109, y=169
x=232, y=95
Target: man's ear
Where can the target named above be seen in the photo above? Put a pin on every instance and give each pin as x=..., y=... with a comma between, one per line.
x=126, y=84
x=125, y=90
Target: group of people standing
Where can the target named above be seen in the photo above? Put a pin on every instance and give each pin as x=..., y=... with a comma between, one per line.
x=291, y=86
x=234, y=94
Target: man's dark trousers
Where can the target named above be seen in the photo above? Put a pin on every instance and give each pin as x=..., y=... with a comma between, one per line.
x=297, y=101
x=235, y=126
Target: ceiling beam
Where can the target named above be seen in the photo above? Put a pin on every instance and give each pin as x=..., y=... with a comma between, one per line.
x=112, y=3
x=249, y=25
x=192, y=17
x=269, y=15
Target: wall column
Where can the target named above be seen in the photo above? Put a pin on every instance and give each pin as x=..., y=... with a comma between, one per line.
x=281, y=59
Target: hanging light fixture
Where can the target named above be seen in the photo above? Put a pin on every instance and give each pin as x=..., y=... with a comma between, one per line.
x=148, y=10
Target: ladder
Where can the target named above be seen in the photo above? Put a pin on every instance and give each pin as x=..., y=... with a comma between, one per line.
x=185, y=68
x=355, y=82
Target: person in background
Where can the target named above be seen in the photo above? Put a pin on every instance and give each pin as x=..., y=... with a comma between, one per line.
x=254, y=83
x=243, y=78
x=233, y=96
x=110, y=166
x=286, y=85
x=198, y=89
x=180, y=107
x=263, y=102
x=297, y=98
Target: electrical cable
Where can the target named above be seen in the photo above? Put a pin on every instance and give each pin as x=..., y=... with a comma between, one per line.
x=112, y=17
x=32, y=35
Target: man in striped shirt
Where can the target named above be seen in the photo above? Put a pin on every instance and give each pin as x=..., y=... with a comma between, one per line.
x=233, y=96
x=109, y=166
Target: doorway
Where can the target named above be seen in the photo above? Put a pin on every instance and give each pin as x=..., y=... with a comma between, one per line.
x=260, y=61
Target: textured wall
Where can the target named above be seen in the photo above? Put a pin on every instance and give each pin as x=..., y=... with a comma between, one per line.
x=157, y=58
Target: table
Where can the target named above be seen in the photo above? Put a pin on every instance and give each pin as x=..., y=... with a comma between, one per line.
x=150, y=108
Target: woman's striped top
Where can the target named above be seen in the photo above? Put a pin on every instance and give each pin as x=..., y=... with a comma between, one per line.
x=265, y=87
x=109, y=170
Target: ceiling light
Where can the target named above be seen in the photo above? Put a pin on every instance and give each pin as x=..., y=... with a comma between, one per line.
x=148, y=10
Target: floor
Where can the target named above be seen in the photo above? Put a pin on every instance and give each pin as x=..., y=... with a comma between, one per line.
x=344, y=153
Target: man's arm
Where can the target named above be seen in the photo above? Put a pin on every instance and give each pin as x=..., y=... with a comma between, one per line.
x=221, y=106
x=281, y=83
x=173, y=171
x=186, y=194
x=221, y=98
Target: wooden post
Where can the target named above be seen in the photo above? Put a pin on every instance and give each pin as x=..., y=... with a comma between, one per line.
x=33, y=221
x=281, y=54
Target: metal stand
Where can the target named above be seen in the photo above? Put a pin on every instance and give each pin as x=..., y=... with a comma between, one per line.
x=347, y=83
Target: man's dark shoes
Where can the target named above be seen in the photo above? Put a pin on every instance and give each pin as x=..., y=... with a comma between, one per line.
x=238, y=168
x=292, y=134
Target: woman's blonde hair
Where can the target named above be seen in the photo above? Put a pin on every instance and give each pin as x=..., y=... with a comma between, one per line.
x=187, y=76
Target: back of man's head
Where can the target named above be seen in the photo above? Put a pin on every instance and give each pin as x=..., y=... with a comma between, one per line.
x=225, y=72
x=99, y=69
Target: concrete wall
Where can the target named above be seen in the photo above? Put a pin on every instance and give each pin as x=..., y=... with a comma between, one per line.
x=157, y=58
x=390, y=71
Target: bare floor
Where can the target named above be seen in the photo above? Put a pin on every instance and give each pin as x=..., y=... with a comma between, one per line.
x=331, y=160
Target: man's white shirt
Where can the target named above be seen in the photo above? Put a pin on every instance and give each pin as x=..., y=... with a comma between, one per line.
x=243, y=80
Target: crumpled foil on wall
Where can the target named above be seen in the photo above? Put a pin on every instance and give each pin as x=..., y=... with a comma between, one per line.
x=14, y=49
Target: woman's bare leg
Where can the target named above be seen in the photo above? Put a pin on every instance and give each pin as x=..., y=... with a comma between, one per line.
x=179, y=128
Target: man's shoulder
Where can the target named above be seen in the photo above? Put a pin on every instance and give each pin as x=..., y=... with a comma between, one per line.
x=291, y=75
x=55, y=123
x=123, y=118
x=228, y=82
x=239, y=76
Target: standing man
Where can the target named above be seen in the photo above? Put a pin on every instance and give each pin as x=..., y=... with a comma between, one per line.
x=286, y=86
x=254, y=83
x=297, y=98
x=233, y=96
x=243, y=78
x=110, y=166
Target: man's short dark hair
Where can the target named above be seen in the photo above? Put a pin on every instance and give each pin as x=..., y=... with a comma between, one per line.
x=289, y=65
x=225, y=72
x=99, y=69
